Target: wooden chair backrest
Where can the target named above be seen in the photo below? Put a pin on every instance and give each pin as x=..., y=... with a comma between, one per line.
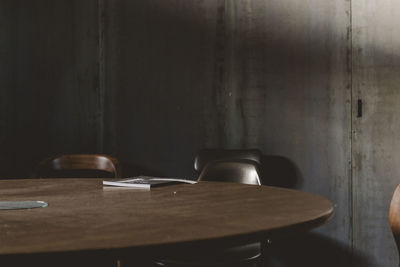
x=76, y=162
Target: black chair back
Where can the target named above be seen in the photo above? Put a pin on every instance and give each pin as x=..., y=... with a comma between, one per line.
x=239, y=171
x=208, y=155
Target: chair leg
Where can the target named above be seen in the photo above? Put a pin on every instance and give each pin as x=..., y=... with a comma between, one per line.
x=264, y=258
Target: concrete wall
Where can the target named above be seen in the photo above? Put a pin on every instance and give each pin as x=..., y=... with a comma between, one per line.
x=154, y=81
x=376, y=146
x=49, y=81
x=274, y=75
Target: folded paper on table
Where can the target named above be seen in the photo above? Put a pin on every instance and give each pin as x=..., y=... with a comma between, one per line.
x=146, y=182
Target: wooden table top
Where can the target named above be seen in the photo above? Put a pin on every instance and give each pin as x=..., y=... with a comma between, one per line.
x=83, y=215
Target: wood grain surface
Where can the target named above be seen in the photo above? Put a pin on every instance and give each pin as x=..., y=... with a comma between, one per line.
x=84, y=215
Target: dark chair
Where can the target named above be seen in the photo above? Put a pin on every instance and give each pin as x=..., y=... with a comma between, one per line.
x=240, y=171
x=208, y=155
x=78, y=166
x=394, y=216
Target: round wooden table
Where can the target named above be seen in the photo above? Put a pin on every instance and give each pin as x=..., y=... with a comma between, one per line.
x=85, y=216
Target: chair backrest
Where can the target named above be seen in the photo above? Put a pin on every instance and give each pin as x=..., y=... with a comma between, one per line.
x=208, y=155
x=79, y=165
x=394, y=216
x=239, y=171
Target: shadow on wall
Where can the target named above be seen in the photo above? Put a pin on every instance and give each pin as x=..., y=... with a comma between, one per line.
x=310, y=249
x=280, y=171
x=313, y=250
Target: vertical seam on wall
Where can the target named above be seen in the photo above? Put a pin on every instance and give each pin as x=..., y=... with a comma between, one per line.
x=351, y=184
x=101, y=77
